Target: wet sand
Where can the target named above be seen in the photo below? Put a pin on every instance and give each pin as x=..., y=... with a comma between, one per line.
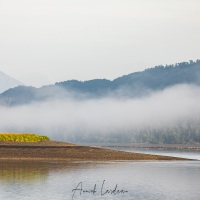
x=52, y=150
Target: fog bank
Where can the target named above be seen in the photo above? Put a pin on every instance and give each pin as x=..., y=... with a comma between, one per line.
x=72, y=119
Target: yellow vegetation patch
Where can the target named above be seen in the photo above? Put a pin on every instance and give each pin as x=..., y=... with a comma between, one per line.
x=22, y=137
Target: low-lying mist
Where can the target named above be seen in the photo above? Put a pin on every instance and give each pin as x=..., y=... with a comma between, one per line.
x=106, y=119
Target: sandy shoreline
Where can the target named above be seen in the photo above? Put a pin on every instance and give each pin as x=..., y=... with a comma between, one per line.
x=52, y=150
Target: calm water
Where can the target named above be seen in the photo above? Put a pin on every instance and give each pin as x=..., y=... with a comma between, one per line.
x=182, y=153
x=138, y=180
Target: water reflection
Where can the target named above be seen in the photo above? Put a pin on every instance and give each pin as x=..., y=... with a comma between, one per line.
x=29, y=171
x=47, y=180
x=22, y=171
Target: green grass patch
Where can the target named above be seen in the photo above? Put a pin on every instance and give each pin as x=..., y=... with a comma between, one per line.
x=22, y=137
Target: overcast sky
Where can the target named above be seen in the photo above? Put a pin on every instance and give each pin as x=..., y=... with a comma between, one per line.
x=45, y=41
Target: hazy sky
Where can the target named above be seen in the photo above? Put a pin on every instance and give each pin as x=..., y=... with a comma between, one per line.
x=44, y=41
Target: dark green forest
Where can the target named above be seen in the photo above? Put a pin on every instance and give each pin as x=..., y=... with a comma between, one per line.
x=185, y=133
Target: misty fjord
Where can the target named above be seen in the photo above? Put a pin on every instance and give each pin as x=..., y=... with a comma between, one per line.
x=104, y=144
x=99, y=100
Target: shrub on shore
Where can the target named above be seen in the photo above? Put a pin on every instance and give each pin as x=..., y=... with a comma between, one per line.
x=22, y=137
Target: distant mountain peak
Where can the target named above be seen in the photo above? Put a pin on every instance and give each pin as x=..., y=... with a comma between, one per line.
x=7, y=82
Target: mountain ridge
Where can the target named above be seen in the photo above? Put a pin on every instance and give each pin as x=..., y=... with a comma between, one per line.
x=133, y=85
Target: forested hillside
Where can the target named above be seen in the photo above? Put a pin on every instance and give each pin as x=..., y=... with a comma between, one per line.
x=159, y=105
x=133, y=85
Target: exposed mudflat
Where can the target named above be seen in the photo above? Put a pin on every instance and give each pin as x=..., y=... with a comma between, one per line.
x=53, y=150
